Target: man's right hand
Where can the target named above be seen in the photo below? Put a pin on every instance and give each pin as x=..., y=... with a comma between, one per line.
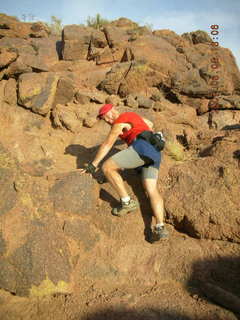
x=90, y=168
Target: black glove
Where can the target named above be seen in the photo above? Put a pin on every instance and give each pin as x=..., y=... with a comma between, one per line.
x=91, y=168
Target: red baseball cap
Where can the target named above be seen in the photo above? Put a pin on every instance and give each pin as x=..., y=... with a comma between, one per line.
x=104, y=109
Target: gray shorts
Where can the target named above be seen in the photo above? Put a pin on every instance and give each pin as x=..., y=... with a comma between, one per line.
x=130, y=159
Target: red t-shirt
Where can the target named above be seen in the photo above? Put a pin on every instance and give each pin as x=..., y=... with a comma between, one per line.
x=138, y=126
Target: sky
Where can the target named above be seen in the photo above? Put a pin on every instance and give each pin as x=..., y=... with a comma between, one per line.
x=177, y=15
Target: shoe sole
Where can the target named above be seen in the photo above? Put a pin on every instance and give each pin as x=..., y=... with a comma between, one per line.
x=125, y=213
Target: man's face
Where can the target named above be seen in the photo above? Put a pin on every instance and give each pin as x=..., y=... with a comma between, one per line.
x=109, y=117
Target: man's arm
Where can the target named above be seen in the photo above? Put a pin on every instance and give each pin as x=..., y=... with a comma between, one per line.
x=149, y=123
x=108, y=143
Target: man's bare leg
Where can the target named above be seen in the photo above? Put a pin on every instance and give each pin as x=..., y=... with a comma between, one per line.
x=110, y=170
x=156, y=200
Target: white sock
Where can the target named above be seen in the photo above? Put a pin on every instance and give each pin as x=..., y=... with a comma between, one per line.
x=125, y=199
x=159, y=225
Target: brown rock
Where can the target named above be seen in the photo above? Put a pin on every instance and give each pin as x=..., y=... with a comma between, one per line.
x=6, y=57
x=224, y=119
x=16, y=68
x=114, y=36
x=77, y=40
x=69, y=194
x=113, y=99
x=131, y=101
x=39, y=30
x=82, y=232
x=196, y=37
x=65, y=91
x=82, y=98
x=46, y=50
x=18, y=45
x=144, y=102
x=37, y=91
x=10, y=92
x=171, y=37
x=41, y=265
x=196, y=184
x=11, y=27
x=35, y=62
x=225, y=102
x=89, y=122
x=66, y=117
x=8, y=168
x=124, y=23
x=203, y=106
x=128, y=78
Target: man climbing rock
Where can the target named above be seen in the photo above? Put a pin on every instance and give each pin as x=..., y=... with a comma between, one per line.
x=142, y=151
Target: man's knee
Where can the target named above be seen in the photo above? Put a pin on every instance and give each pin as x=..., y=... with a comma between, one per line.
x=109, y=166
x=151, y=189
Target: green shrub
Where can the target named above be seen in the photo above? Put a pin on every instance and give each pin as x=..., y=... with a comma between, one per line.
x=175, y=150
x=97, y=22
x=55, y=25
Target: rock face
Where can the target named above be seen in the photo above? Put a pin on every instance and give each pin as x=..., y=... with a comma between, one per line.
x=78, y=39
x=40, y=266
x=36, y=261
x=202, y=197
x=7, y=171
x=70, y=193
x=37, y=91
x=57, y=234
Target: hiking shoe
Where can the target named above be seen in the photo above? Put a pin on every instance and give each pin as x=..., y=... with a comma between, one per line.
x=159, y=233
x=125, y=208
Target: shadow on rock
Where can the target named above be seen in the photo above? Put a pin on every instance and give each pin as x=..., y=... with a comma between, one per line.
x=232, y=127
x=219, y=281
x=146, y=314
x=84, y=155
x=236, y=155
x=135, y=180
x=59, y=49
x=106, y=196
x=132, y=176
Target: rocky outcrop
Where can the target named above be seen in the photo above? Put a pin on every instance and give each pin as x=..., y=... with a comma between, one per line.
x=202, y=196
x=77, y=41
x=57, y=233
x=69, y=194
x=37, y=91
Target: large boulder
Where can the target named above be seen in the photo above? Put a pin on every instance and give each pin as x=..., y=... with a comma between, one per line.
x=39, y=30
x=75, y=193
x=196, y=37
x=40, y=266
x=130, y=78
x=8, y=91
x=7, y=56
x=20, y=56
x=37, y=91
x=196, y=80
x=202, y=196
x=35, y=258
x=171, y=37
x=67, y=117
x=223, y=119
x=82, y=232
x=8, y=193
x=46, y=50
x=13, y=28
x=65, y=91
x=77, y=40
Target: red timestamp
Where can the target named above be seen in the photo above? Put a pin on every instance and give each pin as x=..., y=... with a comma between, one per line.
x=215, y=66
